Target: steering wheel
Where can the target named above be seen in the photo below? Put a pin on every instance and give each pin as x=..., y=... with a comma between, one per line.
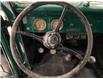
x=52, y=39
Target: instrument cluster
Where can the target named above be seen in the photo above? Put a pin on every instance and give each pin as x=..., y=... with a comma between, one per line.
x=41, y=24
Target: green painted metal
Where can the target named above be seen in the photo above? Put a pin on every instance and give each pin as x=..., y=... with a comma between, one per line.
x=48, y=13
x=71, y=22
x=6, y=46
x=11, y=17
x=8, y=53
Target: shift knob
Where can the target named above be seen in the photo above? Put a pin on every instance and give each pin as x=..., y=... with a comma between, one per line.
x=92, y=59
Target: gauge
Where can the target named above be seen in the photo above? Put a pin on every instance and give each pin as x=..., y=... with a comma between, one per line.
x=40, y=24
x=55, y=23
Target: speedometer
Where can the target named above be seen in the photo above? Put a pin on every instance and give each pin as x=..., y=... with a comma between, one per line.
x=40, y=24
x=55, y=23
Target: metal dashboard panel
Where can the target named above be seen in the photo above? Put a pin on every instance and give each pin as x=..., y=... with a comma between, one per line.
x=93, y=12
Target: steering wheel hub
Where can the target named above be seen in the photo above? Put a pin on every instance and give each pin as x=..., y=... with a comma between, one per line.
x=51, y=39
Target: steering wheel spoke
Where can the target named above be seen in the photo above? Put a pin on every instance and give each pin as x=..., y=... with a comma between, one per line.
x=61, y=18
x=70, y=51
x=40, y=39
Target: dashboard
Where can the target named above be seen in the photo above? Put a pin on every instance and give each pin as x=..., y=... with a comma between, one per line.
x=48, y=16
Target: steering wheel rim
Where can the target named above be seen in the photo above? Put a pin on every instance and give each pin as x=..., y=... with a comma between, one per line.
x=83, y=20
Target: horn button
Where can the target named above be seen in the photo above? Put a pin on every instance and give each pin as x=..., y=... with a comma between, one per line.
x=51, y=39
